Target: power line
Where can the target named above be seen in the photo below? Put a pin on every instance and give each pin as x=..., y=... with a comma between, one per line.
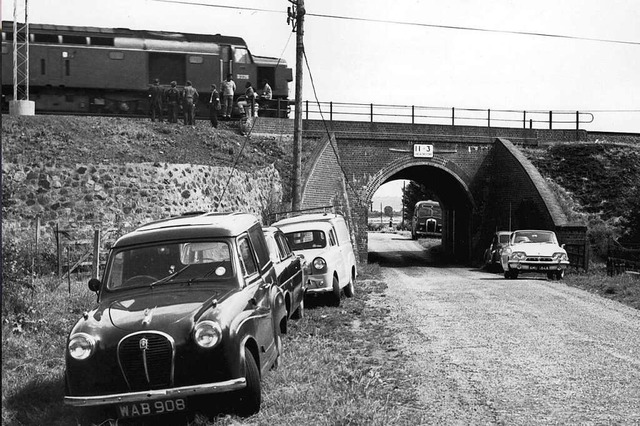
x=414, y=24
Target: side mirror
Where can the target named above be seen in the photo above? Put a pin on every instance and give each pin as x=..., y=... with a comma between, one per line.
x=94, y=284
x=562, y=246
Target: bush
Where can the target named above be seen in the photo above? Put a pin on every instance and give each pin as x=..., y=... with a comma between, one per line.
x=21, y=265
x=374, y=226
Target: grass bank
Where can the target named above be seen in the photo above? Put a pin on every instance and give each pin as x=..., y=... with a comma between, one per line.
x=340, y=365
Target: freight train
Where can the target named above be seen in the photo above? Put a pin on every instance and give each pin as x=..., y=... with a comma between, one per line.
x=109, y=70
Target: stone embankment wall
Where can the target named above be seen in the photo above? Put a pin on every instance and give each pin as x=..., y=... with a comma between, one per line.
x=123, y=196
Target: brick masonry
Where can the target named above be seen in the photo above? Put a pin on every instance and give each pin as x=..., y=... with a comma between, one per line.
x=482, y=179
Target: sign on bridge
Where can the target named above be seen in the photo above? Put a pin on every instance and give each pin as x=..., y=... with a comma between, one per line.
x=423, y=151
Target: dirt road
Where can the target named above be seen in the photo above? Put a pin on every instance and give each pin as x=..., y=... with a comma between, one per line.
x=529, y=351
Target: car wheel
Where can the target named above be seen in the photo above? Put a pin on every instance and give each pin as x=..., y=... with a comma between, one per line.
x=560, y=274
x=335, y=294
x=349, y=290
x=551, y=275
x=299, y=313
x=511, y=275
x=250, y=396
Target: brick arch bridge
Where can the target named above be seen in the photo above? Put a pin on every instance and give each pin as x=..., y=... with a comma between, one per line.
x=482, y=180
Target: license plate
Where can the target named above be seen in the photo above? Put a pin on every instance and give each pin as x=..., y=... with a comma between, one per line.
x=150, y=408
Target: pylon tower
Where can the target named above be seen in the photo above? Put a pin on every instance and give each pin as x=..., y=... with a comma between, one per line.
x=21, y=104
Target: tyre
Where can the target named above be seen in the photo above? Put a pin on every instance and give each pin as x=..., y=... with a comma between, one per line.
x=251, y=396
x=349, y=290
x=299, y=313
x=551, y=275
x=335, y=294
x=560, y=274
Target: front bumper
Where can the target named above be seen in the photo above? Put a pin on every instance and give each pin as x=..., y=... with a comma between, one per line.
x=319, y=283
x=159, y=394
x=537, y=266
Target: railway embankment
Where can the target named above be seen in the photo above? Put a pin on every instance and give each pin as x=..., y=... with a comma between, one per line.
x=88, y=172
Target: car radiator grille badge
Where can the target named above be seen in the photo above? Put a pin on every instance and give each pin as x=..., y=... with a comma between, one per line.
x=146, y=360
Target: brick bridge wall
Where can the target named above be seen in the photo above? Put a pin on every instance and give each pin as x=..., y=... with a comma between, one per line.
x=495, y=185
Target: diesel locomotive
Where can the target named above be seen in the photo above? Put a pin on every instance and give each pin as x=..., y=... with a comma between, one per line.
x=109, y=70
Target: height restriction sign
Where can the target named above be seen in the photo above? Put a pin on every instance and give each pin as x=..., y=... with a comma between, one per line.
x=422, y=150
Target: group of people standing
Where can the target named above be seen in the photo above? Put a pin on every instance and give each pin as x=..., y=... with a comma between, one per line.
x=173, y=97
x=219, y=102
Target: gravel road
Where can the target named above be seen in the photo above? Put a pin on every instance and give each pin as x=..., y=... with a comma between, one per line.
x=530, y=351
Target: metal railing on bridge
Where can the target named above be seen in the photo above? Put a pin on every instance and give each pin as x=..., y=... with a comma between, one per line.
x=415, y=114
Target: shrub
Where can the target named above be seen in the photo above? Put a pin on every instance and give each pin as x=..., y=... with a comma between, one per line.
x=21, y=265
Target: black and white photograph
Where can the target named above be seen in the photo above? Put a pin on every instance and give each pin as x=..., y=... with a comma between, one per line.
x=320, y=212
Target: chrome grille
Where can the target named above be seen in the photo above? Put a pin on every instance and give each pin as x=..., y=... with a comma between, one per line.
x=146, y=360
x=538, y=259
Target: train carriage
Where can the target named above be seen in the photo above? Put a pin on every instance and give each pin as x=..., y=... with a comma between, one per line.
x=90, y=69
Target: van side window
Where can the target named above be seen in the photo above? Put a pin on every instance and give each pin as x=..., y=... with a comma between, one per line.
x=249, y=266
x=283, y=245
x=262, y=251
x=332, y=238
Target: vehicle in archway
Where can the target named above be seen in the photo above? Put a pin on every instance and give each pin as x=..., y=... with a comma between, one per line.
x=325, y=242
x=492, y=254
x=534, y=251
x=427, y=219
x=188, y=308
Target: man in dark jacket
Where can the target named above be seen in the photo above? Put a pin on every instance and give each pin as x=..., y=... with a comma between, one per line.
x=173, y=99
x=156, y=93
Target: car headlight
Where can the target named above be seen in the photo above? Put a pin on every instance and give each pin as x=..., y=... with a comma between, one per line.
x=81, y=346
x=207, y=334
x=319, y=263
x=560, y=257
x=519, y=256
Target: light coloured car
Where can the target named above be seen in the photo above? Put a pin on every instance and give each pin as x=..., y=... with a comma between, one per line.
x=324, y=241
x=534, y=251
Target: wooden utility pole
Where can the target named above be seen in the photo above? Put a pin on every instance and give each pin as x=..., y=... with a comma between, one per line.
x=296, y=17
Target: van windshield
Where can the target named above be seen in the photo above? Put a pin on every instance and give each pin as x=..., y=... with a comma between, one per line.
x=305, y=240
x=171, y=262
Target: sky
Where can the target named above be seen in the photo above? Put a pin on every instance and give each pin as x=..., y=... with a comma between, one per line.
x=419, y=52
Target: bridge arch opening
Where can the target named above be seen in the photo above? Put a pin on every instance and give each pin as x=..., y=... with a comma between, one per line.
x=455, y=200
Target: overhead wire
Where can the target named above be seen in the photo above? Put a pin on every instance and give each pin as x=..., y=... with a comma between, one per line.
x=246, y=139
x=414, y=24
x=324, y=123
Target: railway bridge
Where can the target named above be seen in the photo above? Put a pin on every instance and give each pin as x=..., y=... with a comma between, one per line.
x=482, y=180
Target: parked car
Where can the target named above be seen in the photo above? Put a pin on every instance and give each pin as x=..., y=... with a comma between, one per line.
x=534, y=251
x=493, y=252
x=289, y=271
x=187, y=307
x=325, y=242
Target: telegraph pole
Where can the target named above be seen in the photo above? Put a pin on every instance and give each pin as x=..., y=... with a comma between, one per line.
x=295, y=16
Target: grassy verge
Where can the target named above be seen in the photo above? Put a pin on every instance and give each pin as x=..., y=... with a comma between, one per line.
x=624, y=288
x=340, y=365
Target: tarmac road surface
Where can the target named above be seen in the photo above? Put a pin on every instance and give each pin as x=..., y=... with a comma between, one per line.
x=487, y=350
